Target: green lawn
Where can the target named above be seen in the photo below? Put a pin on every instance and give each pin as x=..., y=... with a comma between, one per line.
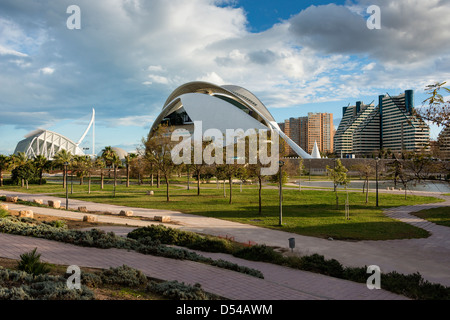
x=439, y=216
x=309, y=212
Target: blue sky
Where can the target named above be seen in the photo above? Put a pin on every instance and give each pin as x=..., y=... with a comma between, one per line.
x=129, y=55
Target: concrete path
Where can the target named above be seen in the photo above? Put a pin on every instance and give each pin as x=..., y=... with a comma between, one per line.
x=279, y=284
x=430, y=256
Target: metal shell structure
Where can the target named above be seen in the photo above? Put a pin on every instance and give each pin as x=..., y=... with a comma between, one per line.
x=219, y=107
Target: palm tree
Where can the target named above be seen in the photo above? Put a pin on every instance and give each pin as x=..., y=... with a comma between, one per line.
x=61, y=157
x=128, y=159
x=108, y=155
x=5, y=164
x=100, y=163
x=115, y=160
x=20, y=160
x=41, y=163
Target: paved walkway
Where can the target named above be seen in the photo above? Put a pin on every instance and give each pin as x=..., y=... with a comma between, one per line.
x=279, y=284
x=430, y=256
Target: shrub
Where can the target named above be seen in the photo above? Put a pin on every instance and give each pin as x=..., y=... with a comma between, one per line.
x=211, y=245
x=187, y=239
x=259, y=253
x=414, y=286
x=20, y=285
x=318, y=263
x=3, y=213
x=91, y=279
x=179, y=291
x=30, y=263
x=56, y=224
x=124, y=275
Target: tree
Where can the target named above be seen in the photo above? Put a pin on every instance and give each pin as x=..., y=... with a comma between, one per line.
x=394, y=169
x=108, y=156
x=438, y=110
x=128, y=159
x=158, y=147
x=80, y=166
x=339, y=176
x=61, y=157
x=365, y=170
x=23, y=169
x=100, y=164
x=115, y=160
x=5, y=164
x=90, y=164
x=41, y=164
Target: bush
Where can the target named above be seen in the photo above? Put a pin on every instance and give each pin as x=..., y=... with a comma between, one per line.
x=179, y=291
x=318, y=263
x=260, y=253
x=56, y=224
x=124, y=275
x=30, y=263
x=101, y=239
x=414, y=286
x=187, y=239
x=20, y=285
x=3, y=213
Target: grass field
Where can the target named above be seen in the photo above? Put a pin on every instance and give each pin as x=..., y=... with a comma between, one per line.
x=311, y=213
x=439, y=216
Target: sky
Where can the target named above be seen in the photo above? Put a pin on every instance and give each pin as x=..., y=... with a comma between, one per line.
x=129, y=55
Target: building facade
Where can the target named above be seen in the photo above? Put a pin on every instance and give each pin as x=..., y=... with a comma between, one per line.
x=444, y=144
x=392, y=126
x=306, y=131
x=352, y=118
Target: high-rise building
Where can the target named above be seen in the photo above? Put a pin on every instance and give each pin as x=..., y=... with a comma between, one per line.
x=401, y=130
x=352, y=117
x=444, y=144
x=392, y=126
x=306, y=131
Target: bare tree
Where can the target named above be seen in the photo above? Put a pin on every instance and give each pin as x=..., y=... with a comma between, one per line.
x=158, y=147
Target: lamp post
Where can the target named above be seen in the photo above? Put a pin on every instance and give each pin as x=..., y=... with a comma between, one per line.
x=188, y=177
x=376, y=176
x=281, y=164
x=67, y=187
x=309, y=169
x=71, y=181
x=114, y=187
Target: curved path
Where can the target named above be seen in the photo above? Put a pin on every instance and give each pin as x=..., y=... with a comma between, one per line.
x=430, y=256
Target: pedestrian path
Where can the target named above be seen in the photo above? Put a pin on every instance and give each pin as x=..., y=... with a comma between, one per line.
x=280, y=283
x=429, y=256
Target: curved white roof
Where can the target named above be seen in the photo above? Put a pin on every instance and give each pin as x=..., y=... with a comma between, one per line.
x=47, y=144
x=222, y=107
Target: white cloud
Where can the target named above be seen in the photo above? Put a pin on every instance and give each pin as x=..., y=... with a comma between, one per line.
x=10, y=52
x=130, y=55
x=47, y=70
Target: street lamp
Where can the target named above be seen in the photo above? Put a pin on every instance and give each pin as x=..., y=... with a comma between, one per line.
x=114, y=187
x=67, y=187
x=281, y=164
x=376, y=175
x=188, y=174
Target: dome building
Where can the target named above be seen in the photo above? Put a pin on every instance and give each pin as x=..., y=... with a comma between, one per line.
x=47, y=144
x=219, y=107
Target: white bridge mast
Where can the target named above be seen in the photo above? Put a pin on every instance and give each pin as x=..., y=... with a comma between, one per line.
x=91, y=124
